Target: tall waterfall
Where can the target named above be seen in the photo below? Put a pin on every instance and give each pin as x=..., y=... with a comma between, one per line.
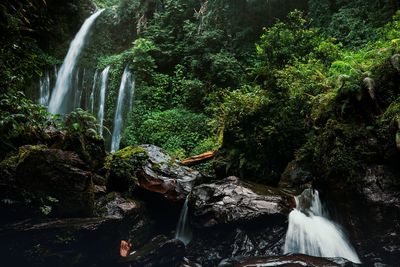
x=183, y=232
x=59, y=98
x=311, y=232
x=124, y=89
x=100, y=115
x=44, y=84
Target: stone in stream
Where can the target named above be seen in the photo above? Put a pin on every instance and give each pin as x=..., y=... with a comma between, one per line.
x=236, y=218
x=232, y=201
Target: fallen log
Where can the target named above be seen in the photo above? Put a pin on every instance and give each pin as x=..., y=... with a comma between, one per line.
x=194, y=160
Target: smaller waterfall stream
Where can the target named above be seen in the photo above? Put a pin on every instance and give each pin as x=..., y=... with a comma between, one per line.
x=77, y=90
x=100, y=115
x=92, y=93
x=311, y=232
x=124, y=89
x=44, y=84
x=183, y=232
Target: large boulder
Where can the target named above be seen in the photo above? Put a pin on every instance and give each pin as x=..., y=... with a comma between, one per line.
x=122, y=167
x=54, y=180
x=151, y=169
x=233, y=218
x=86, y=143
x=164, y=175
x=232, y=201
x=210, y=246
x=132, y=214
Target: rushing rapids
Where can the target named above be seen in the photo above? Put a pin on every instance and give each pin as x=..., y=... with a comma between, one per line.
x=311, y=232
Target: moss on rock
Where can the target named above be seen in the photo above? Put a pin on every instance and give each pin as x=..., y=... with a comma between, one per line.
x=122, y=167
x=11, y=162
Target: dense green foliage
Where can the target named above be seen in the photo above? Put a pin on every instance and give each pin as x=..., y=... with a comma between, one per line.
x=21, y=122
x=317, y=98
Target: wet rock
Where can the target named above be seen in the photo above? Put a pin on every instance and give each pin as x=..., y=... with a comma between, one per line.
x=158, y=252
x=286, y=260
x=133, y=215
x=114, y=205
x=211, y=245
x=88, y=145
x=370, y=213
x=123, y=166
x=53, y=180
x=380, y=185
x=151, y=169
x=164, y=175
x=231, y=201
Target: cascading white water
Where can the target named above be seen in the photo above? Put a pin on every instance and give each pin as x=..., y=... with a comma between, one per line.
x=125, y=88
x=183, y=232
x=44, y=84
x=131, y=96
x=58, y=102
x=77, y=90
x=311, y=232
x=91, y=98
x=100, y=115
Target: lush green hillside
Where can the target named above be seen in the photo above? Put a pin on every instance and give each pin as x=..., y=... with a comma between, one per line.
x=209, y=76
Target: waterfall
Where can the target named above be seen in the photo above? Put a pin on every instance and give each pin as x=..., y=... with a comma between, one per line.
x=91, y=98
x=100, y=115
x=58, y=102
x=311, y=232
x=183, y=232
x=44, y=84
x=125, y=88
x=131, y=96
x=77, y=90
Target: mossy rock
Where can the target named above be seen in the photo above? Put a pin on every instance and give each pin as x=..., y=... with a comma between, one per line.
x=122, y=167
x=37, y=181
x=90, y=148
x=56, y=181
x=11, y=162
